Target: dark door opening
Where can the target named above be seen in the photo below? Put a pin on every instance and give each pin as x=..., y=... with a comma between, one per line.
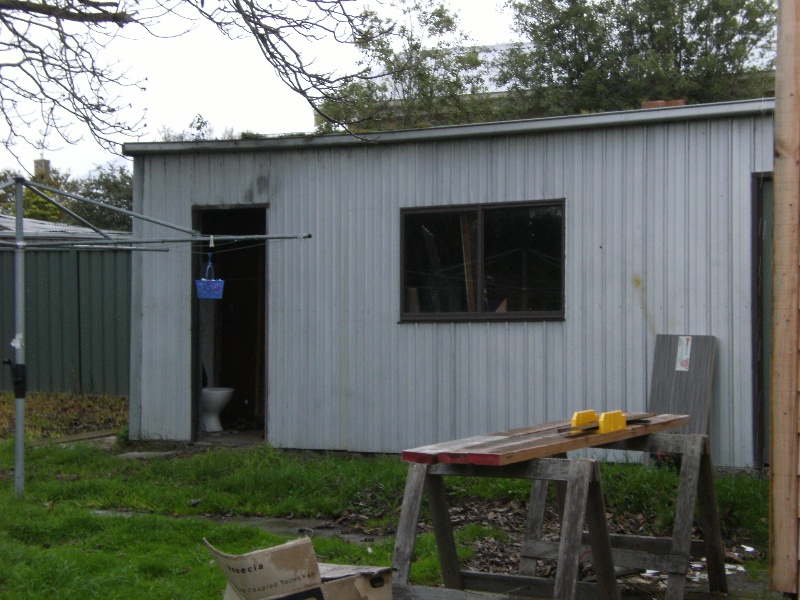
x=762, y=315
x=230, y=333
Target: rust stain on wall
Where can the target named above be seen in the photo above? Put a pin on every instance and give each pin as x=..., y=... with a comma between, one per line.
x=638, y=285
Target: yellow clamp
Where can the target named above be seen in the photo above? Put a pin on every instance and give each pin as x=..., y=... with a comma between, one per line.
x=612, y=421
x=583, y=417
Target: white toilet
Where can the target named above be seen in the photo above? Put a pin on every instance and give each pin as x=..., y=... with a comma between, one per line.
x=212, y=401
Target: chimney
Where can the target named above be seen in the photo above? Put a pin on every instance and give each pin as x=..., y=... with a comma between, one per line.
x=662, y=103
x=41, y=169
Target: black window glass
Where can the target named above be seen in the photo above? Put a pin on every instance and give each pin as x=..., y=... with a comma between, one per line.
x=523, y=259
x=483, y=262
x=440, y=261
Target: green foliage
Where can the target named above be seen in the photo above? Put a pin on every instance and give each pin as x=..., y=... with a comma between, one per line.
x=111, y=185
x=743, y=501
x=200, y=128
x=35, y=206
x=587, y=55
x=646, y=495
x=427, y=75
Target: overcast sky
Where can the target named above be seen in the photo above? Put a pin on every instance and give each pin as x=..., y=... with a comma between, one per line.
x=227, y=82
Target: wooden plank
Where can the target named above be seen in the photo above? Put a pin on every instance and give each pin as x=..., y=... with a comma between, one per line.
x=784, y=447
x=657, y=442
x=629, y=551
x=534, y=523
x=533, y=446
x=520, y=586
x=455, y=451
x=77, y=437
x=409, y=518
x=684, y=392
x=443, y=530
x=429, y=454
x=552, y=469
x=684, y=515
x=709, y=525
x=418, y=592
x=653, y=553
x=581, y=473
x=469, y=262
x=599, y=539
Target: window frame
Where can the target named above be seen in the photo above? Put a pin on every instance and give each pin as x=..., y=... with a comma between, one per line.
x=480, y=315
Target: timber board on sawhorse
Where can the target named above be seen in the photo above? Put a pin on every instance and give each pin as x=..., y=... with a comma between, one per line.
x=583, y=503
x=518, y=453
x=539, y=441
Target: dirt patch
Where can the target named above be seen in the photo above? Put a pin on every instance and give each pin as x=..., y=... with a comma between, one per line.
x=56, y=415
x=500, y=553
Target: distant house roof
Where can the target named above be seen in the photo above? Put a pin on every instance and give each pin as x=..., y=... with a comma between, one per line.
x=49, y=230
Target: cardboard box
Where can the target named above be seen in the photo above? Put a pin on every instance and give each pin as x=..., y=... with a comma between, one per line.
x=286, y=571
x=291, y=572
x=349, y=582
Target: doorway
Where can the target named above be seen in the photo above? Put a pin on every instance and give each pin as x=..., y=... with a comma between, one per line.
x=762, y=315
x=230, y=333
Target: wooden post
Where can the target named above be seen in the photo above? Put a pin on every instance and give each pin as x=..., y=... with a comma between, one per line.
x=785, y=427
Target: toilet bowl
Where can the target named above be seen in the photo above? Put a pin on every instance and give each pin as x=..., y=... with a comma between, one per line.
x=212, y=401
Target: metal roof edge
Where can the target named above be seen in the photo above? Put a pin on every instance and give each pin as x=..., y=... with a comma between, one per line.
x=719, y=110
x=52, y=229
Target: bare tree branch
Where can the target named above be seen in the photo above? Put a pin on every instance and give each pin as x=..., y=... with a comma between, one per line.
x=54, y=67
x=83, y=12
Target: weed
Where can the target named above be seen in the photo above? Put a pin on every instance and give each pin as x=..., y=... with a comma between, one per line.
x=55, y=415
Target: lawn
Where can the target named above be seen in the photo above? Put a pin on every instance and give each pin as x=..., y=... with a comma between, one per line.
x=94, y=524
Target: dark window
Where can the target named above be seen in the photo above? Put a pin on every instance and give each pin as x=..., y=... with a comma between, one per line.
x=503, y=261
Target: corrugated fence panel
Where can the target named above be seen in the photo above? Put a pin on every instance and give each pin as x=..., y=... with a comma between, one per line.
x=105, y=344
x=69, y=303
x=7, y=321
x=51, y=325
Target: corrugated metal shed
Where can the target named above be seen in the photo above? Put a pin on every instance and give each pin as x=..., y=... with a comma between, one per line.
x=658, y=240
x=77, y=313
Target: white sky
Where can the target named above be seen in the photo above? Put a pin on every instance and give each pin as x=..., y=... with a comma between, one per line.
x=228, y=82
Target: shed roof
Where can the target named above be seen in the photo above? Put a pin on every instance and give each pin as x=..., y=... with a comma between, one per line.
x=572, y=122
x=50, y=230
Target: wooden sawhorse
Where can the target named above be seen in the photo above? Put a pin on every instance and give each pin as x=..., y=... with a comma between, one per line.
x=583, y=502
x=668, y=555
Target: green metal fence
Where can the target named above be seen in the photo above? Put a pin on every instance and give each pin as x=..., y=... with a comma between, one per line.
x=77, y=320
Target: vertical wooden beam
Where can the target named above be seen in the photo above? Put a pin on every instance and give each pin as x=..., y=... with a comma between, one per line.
x=784, y=462
x=406, y=535
x=443, y=529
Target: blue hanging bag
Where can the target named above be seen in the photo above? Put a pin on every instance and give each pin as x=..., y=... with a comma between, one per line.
x=209, y=288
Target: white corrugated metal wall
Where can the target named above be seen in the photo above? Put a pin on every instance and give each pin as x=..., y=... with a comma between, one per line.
x=658, y=240
x=168, y=188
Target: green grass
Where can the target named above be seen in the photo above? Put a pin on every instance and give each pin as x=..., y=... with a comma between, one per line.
x=258, y=481
x=95, y=525
x=67, y=553
x=92, y=524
